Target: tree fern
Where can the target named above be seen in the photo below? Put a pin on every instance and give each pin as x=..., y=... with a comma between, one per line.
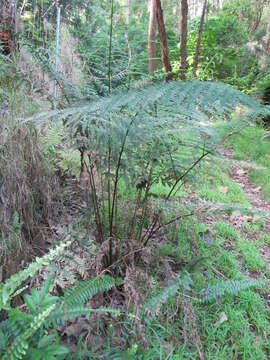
x=158, y=133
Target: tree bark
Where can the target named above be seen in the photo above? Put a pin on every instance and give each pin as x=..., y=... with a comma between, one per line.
x=8, y=26
x=152, y=51
x=163, y=42
x=183, y=39
x=198, y=45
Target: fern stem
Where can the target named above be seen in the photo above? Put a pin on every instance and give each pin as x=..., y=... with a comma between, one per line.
x=144, y=205
x=110, y=49
x=204, y=154
x=109, y=180
x=117, y=175
x=95, y=200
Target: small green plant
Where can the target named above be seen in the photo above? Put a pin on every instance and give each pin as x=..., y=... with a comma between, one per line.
x=24, y=335
x=9, y=289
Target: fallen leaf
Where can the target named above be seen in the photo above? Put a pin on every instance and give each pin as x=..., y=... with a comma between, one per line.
x=240, y=172
x=222, y=318
x=224, y=189
x=257, y=190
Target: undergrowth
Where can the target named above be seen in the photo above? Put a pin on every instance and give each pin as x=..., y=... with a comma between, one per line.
x=154, y=270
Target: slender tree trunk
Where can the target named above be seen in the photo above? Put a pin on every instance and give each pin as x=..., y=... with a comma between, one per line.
x=152, y=51
x=198, y=45
x=183, y=39
x=163, y=42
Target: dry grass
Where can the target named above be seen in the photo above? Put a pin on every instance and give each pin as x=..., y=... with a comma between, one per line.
x=28, y=190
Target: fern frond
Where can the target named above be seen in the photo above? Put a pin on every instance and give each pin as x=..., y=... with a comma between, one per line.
x=86, y=289
x=194, y=99
x=19, y=347
x=155, y=302
x=60, y=316
x=231, y=287
x=8, y=289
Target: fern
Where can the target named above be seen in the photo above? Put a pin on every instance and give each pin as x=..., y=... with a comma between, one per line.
x=23, y=333
x=156, y=134
x=8, y=289
x=230, y=287
x=60, y=316
x=87, y=289
x=20, y=345
x=154, y=303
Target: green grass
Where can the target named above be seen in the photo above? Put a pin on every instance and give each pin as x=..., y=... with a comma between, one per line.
x=261, y=178
x=243, y=334
x=226, y=231
x=250, y=255
x=251, y=145
x=216, y=186
x=253, y=227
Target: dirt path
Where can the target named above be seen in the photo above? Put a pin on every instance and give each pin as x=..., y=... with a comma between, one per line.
x=252, y=193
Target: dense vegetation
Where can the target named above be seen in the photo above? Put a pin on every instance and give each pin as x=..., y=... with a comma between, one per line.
x=134, y=179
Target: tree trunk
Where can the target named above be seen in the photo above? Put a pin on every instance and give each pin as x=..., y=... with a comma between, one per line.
x=183, y=39
x=198, y=45
x=152, y=51
x=163, y=42
x=8, y=26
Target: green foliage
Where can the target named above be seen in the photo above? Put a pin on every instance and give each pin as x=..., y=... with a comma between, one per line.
x=252, y=144
x=87, y=289
x=18, y=348
x=231, y=287
x=223, y=52
x=24, y=335
x=8, y=289
x=153, y=135
x=251, y=255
